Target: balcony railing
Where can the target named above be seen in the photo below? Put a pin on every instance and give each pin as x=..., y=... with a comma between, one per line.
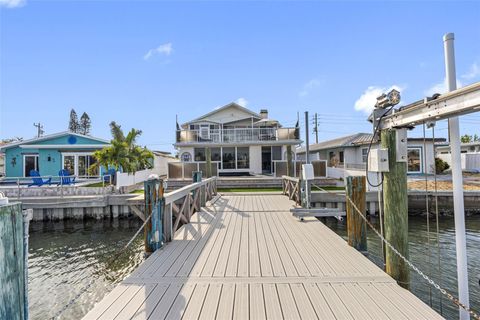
x=237, y=135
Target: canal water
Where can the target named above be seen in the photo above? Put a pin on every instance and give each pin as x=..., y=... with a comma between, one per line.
x=72, y=259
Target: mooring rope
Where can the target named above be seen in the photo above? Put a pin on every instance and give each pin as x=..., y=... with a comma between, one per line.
x=443, y=291
x=452, y=298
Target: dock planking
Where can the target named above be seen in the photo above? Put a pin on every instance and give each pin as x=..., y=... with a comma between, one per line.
x=247, y=257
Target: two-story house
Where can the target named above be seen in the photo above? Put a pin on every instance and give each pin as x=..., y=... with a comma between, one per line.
x=239, y=141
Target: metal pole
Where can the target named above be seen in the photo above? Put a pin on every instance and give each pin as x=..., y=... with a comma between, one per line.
x=316, y=128
x=307, y=147
x=458, y=205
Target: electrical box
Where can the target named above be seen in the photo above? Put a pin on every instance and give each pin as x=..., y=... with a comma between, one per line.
x=307, y=172
x=378, y=160
x=401, y=145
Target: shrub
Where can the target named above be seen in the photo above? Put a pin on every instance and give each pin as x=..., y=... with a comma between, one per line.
x=440, y=165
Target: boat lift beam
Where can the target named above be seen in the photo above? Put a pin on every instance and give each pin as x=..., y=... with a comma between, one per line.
x=452, y=104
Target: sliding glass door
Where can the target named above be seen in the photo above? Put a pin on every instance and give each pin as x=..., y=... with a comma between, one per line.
x=77, y=164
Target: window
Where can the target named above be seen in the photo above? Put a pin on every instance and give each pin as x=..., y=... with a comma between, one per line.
x=364, y=155
x=414, y=160
x=341, y=156
x=228, y=160
x=215, y=154
x=186, y=157
x=199, y=154
x=69, y=164
x=276, y=153
x=243, y=158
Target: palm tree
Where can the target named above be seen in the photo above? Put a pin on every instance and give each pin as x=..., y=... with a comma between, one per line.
x=123, y=153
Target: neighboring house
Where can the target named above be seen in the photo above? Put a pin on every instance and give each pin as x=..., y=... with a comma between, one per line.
x=240, y=140
x=470, y=155
x=350, y=153
x=2, y=164
x=51, y=153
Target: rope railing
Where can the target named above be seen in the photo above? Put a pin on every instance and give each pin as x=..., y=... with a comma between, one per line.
x=443, y=291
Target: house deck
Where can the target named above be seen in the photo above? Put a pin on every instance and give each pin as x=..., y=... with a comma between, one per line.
x=247, y=257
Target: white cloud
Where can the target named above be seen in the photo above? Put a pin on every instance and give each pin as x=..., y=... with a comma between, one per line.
x=165, y=49
x=474, y=72
x=242, y=101
x=12, y=3
x=440, y=87
x=309, y=86
x=367, y=100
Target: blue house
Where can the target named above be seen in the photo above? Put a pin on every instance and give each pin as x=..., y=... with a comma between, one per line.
x=51, y=153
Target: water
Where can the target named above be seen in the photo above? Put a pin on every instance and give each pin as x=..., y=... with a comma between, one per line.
x=65, y=257
x=418, y=240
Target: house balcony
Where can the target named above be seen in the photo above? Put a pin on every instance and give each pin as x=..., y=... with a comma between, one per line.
x=237, y=135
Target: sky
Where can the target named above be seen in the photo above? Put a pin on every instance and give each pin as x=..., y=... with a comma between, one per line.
x=141, y=63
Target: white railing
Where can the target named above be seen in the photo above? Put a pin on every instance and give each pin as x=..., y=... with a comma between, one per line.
x=236, y=135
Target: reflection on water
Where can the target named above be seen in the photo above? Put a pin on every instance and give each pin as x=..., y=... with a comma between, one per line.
x=65, y=257
x=418, y=240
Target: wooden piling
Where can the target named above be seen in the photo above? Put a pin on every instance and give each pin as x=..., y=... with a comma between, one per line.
x=12, y=265
x=154, y=207
x=395, y=212
x=356, y=226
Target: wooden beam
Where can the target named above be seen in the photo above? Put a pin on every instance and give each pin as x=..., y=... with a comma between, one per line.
x=356, y=226
x=395, y=212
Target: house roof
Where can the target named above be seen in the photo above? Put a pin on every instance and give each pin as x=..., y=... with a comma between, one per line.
x=352, y=141
x=51, y=136
x=232, y=104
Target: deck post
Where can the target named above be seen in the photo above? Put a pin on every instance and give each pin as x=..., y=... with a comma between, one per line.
x=356, y=226
x=208, y=162
x=289, y=161
x=154, y=208
x=395, y=211
x=197, y=177
x=13, y=291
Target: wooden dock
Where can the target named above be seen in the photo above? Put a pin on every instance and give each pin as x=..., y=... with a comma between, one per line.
x=247, y=257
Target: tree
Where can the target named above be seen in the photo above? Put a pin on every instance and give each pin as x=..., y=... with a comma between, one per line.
x=73, y=125
x=123, y=152
x=11, y=140
x=85, y=124
x=466, y=138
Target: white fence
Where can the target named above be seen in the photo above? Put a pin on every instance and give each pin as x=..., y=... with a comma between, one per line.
x=129, y=179
x=470, y=161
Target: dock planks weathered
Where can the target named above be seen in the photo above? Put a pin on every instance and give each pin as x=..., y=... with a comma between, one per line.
x=246, y=257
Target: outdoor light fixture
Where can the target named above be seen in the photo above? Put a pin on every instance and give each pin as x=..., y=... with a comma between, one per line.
x=388, y=100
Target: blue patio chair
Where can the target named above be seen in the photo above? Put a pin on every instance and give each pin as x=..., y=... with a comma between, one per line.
x=37, y=181
x=109, y=176
x=66, y=178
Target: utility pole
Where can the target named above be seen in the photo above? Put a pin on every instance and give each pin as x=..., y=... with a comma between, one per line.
x=305, y=183
x=40, y=130
x=458, y=204
x=316, y=128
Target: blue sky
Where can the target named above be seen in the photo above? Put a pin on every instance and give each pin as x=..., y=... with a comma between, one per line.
x=142, y=62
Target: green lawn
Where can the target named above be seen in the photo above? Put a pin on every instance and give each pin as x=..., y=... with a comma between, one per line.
x=248, y=189
x=95, y=185
x=137, y=191
x=330, y=188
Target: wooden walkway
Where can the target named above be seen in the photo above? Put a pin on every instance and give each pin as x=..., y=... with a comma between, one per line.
x=246, y=257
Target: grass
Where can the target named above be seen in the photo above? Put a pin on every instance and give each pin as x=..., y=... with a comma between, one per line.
x=332, y=188
x=95, y=185
x=137, y=191
x=248, y=189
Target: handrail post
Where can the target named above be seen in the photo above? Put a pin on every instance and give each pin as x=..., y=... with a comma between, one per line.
x=18, y=185
x=154, y=210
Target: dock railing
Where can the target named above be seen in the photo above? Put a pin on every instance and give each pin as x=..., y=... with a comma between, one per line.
x=181, y=204
x=291, y=187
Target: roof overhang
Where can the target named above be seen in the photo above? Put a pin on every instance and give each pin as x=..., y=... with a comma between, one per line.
x=63, y=146
x=260, y=143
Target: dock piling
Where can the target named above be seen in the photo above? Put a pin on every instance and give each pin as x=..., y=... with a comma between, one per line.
x=356, y=226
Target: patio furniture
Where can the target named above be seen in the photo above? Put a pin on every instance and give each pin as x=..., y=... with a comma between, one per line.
x=65, y=178
x=110, y=176
x=37, y=180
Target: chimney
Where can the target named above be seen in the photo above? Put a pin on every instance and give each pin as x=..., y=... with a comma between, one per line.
x=264, y=113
